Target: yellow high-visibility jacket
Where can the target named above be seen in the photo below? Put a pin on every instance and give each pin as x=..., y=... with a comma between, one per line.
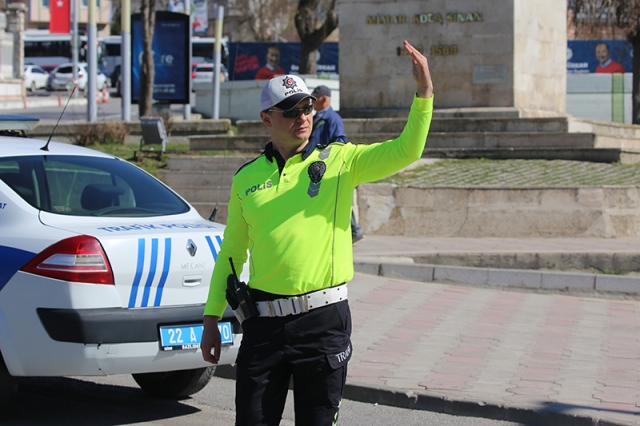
x=294, y=218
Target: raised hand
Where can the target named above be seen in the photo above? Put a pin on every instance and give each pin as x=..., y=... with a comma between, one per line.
x=420, y=71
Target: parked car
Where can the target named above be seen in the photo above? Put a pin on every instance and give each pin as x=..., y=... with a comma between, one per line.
x=49, y=67
x=105, y=270
x=119, y=84
x=61, y=78
x=114, y=76
x=203, y=73
x=104, y=70
x=35, y=77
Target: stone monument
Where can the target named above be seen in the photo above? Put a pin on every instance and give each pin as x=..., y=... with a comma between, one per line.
x=483, y=54
x=12, y=22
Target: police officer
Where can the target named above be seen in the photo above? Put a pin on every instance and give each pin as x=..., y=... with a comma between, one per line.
x=290, y=209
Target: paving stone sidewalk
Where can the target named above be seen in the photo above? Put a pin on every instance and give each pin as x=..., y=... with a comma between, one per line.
x=509, y=353
x=538, y=359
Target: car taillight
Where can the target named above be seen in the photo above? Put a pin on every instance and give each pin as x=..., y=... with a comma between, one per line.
x=77, y=259
x=193, y=75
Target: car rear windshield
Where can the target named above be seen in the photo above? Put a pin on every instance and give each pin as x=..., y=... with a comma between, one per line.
x=88, y=186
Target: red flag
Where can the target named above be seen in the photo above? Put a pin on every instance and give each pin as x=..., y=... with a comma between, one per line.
x=60, y=11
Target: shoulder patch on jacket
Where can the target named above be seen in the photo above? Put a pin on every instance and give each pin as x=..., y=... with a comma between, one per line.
x=324, y=154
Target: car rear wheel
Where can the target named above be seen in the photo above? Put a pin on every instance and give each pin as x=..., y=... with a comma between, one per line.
x=8, y=384
x=175, y=384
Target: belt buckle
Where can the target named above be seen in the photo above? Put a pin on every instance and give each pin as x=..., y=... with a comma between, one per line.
x=289, y=306
x=286, y=306
x=304, y=304
x=271, y=308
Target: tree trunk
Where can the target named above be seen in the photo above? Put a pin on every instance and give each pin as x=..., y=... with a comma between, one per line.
x=147, y=73
x=635, y=95
x=308, y=57
x=310, y=36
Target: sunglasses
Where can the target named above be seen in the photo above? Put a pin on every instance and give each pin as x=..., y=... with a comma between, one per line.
x=294, y=112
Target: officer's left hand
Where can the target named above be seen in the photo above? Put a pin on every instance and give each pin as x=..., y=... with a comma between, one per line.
x=211, y=340
x=420, y=71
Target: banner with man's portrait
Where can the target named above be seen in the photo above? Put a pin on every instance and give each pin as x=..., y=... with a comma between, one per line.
x=599, y=56
x=249, y=61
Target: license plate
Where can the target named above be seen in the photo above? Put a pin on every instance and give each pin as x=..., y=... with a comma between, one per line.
x=178, y=337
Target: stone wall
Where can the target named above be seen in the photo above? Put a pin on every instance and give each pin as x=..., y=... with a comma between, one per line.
x=540, y=52
x=604, y=212
x=239, y=100
x=482, y=53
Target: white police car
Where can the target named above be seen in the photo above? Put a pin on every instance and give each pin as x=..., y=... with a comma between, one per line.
x=103, y=270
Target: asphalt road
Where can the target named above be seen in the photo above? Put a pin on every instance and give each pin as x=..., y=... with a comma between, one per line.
x=117, y=400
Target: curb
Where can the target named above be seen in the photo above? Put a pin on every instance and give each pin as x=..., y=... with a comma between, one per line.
x=544, y=415
x=27, y=102
x=556, y=414
x=551, y=281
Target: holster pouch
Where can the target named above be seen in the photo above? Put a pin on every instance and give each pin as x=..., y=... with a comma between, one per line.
x=239, y=299
x=231, y=292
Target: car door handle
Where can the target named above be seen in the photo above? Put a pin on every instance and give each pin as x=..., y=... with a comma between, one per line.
x=191, y=280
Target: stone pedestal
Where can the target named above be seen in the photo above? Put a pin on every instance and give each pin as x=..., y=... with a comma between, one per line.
x=482, y=54
x=12, y=23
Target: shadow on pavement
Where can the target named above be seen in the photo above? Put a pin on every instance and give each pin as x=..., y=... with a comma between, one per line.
x=54, y=401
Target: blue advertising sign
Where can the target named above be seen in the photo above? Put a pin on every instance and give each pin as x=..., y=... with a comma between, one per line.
x=585, y=56
x=170, y=49
x=246, y=59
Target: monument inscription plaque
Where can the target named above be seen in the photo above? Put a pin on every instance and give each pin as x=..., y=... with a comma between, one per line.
x=482, y=53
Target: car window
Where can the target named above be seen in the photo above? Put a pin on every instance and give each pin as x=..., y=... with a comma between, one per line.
x=64, y=70
x=37, y=70
x=22, y=184
x=88, y=186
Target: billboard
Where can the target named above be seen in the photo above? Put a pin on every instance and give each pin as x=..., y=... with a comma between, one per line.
x=170, y=47
x=599, y=56
x=198, y=10
x=200, y=23
x=246, y=61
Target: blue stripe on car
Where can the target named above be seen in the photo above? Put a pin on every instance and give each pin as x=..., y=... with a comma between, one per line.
x=212, y=247
x=12, y=260
x=152, y=272
x=165, y=271
x=138, y=275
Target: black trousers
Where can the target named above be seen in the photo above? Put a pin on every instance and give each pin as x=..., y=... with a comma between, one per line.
x=312, y=348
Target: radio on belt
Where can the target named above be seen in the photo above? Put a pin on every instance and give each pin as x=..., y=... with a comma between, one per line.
x=238, y=297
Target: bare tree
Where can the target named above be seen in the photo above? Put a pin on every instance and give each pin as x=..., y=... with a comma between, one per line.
x=115, y=27
x=147, y=73
x=263, y=20
x=315, y=21
x=611, y=19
